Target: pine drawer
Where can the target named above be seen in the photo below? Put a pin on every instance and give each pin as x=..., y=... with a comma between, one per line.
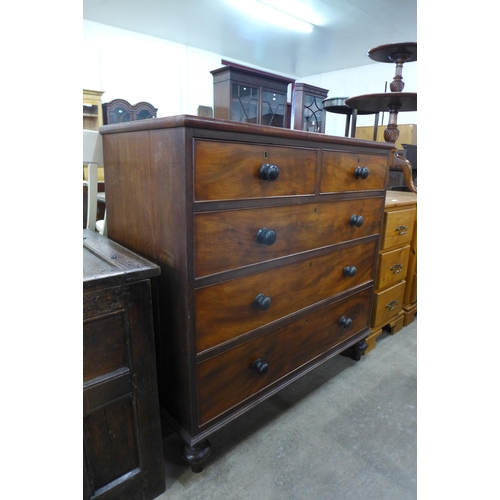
x=392, y=266
x=388, y=304
x=398, y=228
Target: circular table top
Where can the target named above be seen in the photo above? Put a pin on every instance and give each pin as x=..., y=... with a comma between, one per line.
x=337, y=105
x=375, y=103
x=387, y=53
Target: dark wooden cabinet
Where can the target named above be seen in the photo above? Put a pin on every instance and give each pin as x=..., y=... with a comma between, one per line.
x=120, y=110
x=267, y=239
x=248, y=96
x=307, y=107
x=123, y=454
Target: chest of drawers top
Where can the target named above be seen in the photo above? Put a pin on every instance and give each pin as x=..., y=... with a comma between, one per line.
x=220, y=161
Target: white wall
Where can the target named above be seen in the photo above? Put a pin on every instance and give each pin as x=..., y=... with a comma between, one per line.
x=176, y=78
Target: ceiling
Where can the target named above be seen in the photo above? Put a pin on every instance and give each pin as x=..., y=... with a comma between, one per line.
x=349, y=28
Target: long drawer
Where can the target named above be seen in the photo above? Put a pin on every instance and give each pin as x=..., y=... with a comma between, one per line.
x=230, y=239
x=229, y=309
x=225, y=170
x=228, y=379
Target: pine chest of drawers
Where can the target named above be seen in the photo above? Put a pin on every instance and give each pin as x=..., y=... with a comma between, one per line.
x=267, y=241
x=397, y=264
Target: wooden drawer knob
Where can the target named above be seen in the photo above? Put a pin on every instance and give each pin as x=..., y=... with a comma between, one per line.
x=361, y=172
x=356, y=220
x=266, y=236
x=269, y=172
x=345, y=322
x=350, y=271
x=262, y=302
x=260, y=367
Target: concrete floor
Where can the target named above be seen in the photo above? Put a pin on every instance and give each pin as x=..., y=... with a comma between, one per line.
x=346, y=431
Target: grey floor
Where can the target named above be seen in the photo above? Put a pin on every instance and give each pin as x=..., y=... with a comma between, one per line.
x=346, y=431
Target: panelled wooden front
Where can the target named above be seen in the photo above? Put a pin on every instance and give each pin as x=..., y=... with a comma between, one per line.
x=121, y=427
x=228, y=239
x=205, y=208
x=227, y=379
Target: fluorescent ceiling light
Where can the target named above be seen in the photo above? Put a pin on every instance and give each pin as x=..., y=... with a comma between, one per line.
x=296, y=8
x=266, y=13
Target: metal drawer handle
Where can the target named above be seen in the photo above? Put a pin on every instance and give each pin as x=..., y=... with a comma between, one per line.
x=397, y=268
x=392, y=305
x=402, y=229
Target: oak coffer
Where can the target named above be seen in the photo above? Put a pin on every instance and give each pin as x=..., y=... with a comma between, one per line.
x=123, y=453
x=267, y=241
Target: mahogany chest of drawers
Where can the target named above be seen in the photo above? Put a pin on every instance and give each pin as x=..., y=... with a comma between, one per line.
x=267, y=241
x=123, y=454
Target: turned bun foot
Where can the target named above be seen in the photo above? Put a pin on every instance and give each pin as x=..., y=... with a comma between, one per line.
x=195, y=455
x=356, y=350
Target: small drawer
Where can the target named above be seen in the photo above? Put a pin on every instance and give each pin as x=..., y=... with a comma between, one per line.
x=387, y=304
x=228, y=379
x=229, y=309
x=398, y=228
x=229, y=171
x=236, y=238
x=341, y=171
x=392, y=266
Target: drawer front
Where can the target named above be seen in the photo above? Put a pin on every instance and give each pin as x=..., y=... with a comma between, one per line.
x=104, y=346
x=228, y=239
x=392, y=266
x=227, y=171
x=398, y=228
x=342, y=171
x=100, y=302
x=387, y=304
x=228, y=379
x=231, y=308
